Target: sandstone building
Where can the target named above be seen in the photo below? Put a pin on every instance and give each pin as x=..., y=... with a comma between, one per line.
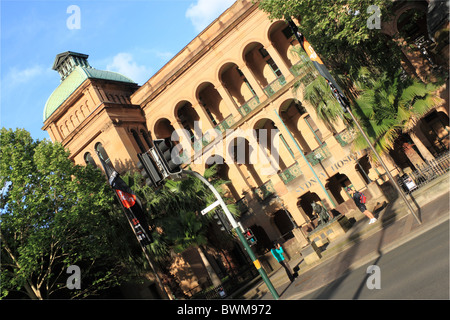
x=218, y=93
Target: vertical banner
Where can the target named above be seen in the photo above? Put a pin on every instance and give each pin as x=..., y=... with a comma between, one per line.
x=130, y=203
x=318, y=64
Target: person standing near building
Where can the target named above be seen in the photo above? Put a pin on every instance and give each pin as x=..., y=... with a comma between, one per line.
x=360, y=203
x=277, y=252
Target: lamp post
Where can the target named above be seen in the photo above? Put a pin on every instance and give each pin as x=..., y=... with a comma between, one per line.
x=306, y=160
x=397, y=187
x=343, y=102
x=238, y=231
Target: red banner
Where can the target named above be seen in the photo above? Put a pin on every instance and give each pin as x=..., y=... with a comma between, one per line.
x=128, y=200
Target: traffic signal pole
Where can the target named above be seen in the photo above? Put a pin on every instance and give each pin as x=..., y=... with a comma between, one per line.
x=135, y=225
x=159, y=163
x=238, y=232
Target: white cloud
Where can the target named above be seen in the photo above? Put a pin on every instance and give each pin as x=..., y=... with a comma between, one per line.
x=163, y=55
x=17, y=76
x=204, y=12
x=123, y=63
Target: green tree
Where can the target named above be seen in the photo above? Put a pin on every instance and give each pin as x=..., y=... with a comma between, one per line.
x=338, y=30
x=389, y=106
x=175, y=209
x=55, y=214
x=341, y=21
x=366, y=62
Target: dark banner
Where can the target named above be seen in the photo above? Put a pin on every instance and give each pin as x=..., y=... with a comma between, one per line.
x=130, y=203
x=318, y=64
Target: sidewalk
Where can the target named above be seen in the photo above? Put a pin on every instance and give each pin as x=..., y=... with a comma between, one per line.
x=362, y=243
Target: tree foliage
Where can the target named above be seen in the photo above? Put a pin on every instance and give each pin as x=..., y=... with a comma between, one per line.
x=175, y=211
x=389, y=106
x=55, y=214
x=365, y=61
x=340, y=21
x=338, y=30
x=316, y=90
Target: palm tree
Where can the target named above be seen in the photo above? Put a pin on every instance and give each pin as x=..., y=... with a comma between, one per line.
x=389, y=106
x=176, y=215
x=186, y=230
x=315, y=89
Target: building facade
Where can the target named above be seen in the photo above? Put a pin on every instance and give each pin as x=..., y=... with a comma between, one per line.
x=228, y=98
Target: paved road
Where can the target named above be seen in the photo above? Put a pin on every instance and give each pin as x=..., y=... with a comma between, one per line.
x=395, y=227
x=418, y=269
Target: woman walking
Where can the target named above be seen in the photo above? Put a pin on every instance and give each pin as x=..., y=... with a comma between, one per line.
x=360, y=203
x=277, y=252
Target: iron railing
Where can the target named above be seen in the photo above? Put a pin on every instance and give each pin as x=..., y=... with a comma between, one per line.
x=425, y=173
x=264, y=191
x=229, y=285
x=275, y=86
x=248, y=106
x=291, y=173
x=319, y=154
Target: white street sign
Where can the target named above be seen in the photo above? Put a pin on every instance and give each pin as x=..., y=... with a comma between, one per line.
x=210, y=207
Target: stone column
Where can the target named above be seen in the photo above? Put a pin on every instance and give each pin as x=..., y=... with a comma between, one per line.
x=206, y=122
x=279, y=61
x=229, y=102
x=253, y=82
x=414, y=135
x=184, y=138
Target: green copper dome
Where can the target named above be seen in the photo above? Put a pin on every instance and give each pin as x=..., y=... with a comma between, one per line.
x=73, y=75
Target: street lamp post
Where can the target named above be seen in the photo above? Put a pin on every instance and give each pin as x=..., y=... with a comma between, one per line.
x=397, y=187
x=238, y=232
x=337, y=92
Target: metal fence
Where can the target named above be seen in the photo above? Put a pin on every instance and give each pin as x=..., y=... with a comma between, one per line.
x=229, y=285
x=426, y=173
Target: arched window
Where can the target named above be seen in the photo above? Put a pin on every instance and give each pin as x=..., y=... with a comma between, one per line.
x=89, y=160
x=102, y=153
x=138, y=140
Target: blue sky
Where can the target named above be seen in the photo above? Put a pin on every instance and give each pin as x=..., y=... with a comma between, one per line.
x=133, y=37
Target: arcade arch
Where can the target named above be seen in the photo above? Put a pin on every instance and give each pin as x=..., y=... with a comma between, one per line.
x=212, y=102
x=267, y=136
x=223, y=172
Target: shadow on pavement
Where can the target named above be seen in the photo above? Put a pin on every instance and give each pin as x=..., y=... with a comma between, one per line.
x=385, y=221
x=343, y=264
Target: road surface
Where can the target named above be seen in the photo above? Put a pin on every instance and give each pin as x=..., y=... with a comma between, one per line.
x=418, y=269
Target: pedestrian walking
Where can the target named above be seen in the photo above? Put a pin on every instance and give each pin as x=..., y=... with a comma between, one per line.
x=359, y=200
x=277, y=252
